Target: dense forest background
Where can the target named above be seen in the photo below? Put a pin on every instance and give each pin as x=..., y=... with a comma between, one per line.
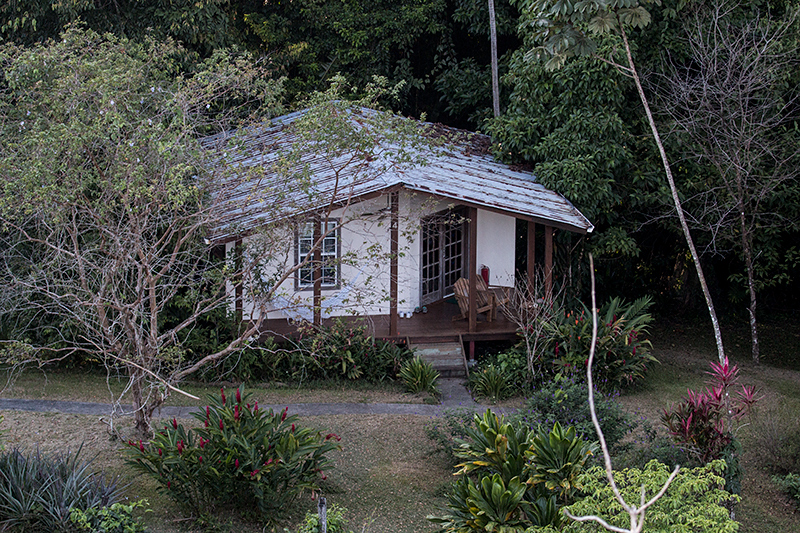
x=580, y=129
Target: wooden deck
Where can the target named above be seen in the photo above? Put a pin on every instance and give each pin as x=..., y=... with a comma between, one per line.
x=437, y=325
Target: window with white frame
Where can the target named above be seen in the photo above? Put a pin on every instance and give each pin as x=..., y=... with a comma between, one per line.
x=329, y=252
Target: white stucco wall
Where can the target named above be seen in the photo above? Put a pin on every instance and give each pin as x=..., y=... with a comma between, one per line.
x=496, y=246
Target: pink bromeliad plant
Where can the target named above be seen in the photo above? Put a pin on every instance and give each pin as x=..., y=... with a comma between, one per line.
x=703, y=421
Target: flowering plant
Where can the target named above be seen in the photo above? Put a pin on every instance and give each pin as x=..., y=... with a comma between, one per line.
x=703, y=421
x=622, y=352
x=242, y=455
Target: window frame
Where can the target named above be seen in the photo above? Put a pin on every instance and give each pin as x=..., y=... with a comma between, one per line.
x=306, y=272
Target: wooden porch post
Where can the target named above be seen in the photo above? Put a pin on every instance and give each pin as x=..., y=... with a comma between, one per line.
x=317, y=271
x=548, y=261
x=531, y=255
x=238, y=287
x=395, y=249
x=472, y=268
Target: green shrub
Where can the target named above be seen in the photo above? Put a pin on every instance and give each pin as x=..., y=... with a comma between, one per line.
x=243, y=456
x=38, y=491
x=494, y=446
x=514, y=365
x=790, y=484
x=491, y=382
x=336, y=522
x=253, y=362
x=622, y=353
x=419, y=376
x=115, y=518
x=567, y=402
x=556, y=459
x=693, y=502
x=343, y=351
x=512, y=477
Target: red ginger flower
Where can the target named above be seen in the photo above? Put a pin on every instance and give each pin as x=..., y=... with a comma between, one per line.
x=238, y=396
x=222, y=393
x=174, y=424
x=283, y=416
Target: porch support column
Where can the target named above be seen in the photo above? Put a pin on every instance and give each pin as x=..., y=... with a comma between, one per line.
x=548, y=261
x=531, y=256
x=317, y=270
x=238, y=249
x=472, y=265
x=395, y=250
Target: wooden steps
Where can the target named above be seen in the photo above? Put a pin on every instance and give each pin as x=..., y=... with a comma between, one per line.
x=447, y=358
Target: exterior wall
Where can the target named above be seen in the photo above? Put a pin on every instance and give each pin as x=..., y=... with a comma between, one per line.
x=365, y=259
x=496, y=247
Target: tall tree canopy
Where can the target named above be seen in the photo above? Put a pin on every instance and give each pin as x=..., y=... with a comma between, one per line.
x=106, y=196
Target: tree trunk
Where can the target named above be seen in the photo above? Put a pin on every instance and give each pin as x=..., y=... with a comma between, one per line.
x=141, y=416
x=675, y=198
x=495, y=77
x=747, y=248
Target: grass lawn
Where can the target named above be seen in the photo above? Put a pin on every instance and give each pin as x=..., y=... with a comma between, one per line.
x=388, y=474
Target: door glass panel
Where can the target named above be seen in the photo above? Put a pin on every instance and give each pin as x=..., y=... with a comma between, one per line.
x=442, y=255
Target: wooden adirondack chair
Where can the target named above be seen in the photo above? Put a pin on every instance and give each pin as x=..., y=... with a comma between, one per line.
x=494, y=296
x=485, y=300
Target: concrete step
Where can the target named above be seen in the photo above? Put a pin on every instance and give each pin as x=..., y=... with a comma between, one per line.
x=446, y=357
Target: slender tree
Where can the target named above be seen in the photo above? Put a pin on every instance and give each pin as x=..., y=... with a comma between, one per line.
x=562, y=30
x=495, y=78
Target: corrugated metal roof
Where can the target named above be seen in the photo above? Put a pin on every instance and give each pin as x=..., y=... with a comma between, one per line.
x=265, y=186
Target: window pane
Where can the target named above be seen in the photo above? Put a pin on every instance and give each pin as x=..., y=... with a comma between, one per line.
x=305, y=246
x=329, y=246
x=307, y=230
x=306, y=276
x=329, y=275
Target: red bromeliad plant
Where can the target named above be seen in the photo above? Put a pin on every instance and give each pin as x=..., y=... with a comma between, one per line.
x=703, y=420
x=241, y=456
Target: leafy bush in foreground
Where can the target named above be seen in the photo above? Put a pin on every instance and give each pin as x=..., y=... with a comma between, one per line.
x=693, y=501
x=37, y=491
x=512, y=476
x=243, y=456
x=116, y=518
